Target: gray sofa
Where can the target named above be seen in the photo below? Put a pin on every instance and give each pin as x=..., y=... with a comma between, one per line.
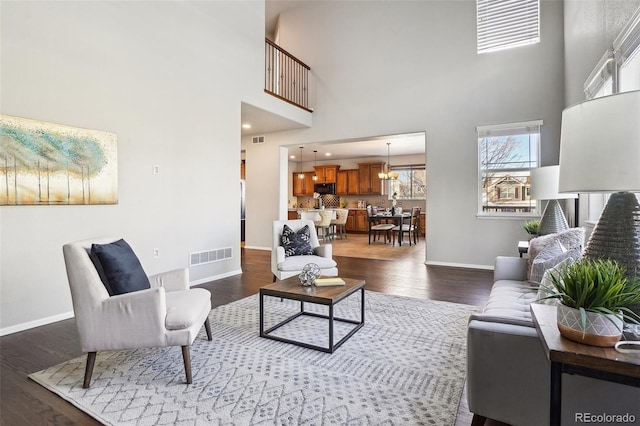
x=507, y=369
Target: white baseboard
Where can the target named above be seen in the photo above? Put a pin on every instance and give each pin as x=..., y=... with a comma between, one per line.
x=36, y=323
x=459, y=265
x=215, y=277
x=55, y=318
x=258, y=248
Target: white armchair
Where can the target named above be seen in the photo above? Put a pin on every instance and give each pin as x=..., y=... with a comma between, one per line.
x=167, y=314
x=284, y=267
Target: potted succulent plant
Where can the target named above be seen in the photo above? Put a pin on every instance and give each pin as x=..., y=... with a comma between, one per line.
x=531, y=226
x=594, y=297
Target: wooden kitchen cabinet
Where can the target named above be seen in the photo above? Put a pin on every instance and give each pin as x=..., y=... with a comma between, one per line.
x=351, y=221
x=362, y=221
x=357, y=221
x=292, y=215
x=326, y=173
x=347, y=182
x=341, y=182
x=423, y=224
x=353, y=184
x=304, y=186
x=369, y=182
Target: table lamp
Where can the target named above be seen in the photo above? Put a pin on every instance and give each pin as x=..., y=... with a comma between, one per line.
x=544, y=186
x=600, y=152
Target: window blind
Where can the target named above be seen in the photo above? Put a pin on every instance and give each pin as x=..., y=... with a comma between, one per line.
x=601, y=75
x=627, y=43
x=507, y=23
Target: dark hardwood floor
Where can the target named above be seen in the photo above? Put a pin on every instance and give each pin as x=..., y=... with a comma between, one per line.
x=23, y=402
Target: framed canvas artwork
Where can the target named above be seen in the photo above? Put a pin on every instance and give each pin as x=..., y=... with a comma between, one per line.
x=51, y=164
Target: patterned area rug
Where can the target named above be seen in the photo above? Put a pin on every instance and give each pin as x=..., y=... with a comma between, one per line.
x=406, y=366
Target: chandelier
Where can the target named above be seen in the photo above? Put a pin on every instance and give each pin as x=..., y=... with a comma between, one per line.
x=315, y=173
x=388, y=175
x=300, y=173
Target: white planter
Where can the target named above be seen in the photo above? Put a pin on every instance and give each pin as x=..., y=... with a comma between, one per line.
x=601, y=329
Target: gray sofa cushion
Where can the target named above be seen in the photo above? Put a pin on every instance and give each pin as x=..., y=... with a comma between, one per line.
x=547, y=259
x=571, y=238
x=511, y=298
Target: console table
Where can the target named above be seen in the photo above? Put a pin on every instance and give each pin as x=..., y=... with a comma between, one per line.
x=571, y=357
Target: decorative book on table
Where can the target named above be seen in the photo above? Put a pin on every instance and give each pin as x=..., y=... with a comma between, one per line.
x=324, y=282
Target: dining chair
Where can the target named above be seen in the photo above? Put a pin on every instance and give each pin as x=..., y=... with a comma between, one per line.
x=376, y=227
x=340, y=223
x=412, y=228
x=324, y=225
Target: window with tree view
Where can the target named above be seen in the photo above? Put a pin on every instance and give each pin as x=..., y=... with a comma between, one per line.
x=411, y=183
x=507, y=153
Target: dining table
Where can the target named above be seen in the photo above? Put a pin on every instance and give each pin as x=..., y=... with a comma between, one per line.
x=396, y=219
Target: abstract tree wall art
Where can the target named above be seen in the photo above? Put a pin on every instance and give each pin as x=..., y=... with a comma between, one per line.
x=50, y=164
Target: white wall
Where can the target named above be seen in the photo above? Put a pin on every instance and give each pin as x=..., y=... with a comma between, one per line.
x=396, y=67
x=168, y=78
x=590, y=28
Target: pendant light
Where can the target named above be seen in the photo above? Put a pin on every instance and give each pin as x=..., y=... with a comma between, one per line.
x=315, y=173
x=300, y=173
x=388, y=175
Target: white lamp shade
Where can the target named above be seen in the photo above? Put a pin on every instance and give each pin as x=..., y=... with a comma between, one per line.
x=544, y=184
x=600, y=145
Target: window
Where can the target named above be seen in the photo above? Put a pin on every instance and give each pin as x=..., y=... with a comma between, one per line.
x=503, y=24
x=411, y=183
x=506, y=154
x=618, y=71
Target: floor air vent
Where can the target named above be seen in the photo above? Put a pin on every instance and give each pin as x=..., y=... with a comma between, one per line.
x=209, y=256
x=258, y=139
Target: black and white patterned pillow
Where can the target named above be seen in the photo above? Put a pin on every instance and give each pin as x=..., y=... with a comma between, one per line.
x=296, y=243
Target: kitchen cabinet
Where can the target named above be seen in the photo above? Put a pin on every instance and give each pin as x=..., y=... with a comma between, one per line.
x=347, y=182
x=362, y=221
x=304, y=186
x=357, y=221
x=292, y=215
x=353, y=184
x=351, y=221
x=423, y=224
x=368, y=180
x=243, y=169
x=326, y=173
x=341, y=182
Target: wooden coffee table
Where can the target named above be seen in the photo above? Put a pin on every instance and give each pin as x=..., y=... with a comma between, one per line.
x=328, y=296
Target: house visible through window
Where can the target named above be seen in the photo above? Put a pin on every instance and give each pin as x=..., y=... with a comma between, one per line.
x=507, y=153
x=507, y=23
x=411, y=183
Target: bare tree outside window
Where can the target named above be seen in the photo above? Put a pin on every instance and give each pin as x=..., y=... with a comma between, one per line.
x=506, y=157
x=411, y=183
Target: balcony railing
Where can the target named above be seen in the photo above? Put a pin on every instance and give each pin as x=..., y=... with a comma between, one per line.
x=286, y=77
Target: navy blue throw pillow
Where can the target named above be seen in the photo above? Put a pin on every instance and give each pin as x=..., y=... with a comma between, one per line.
x=119, y=268
x=296, y=243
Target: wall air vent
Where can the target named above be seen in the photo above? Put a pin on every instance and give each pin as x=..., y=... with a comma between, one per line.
x=209, y=256
x=258, y=139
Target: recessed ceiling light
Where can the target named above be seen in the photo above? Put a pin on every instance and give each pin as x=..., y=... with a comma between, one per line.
x=246, y=126
x=327, y=154
x=292, y=157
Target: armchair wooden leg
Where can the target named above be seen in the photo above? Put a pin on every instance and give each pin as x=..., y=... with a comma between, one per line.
x=186, y=356
x=91, y=360
x=207, y=327
x=274, y=279
x=478, y=420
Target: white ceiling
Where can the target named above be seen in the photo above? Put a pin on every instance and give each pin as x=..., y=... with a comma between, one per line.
x=405, y=144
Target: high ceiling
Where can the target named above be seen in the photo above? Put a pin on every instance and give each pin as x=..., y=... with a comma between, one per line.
x=263, y=122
